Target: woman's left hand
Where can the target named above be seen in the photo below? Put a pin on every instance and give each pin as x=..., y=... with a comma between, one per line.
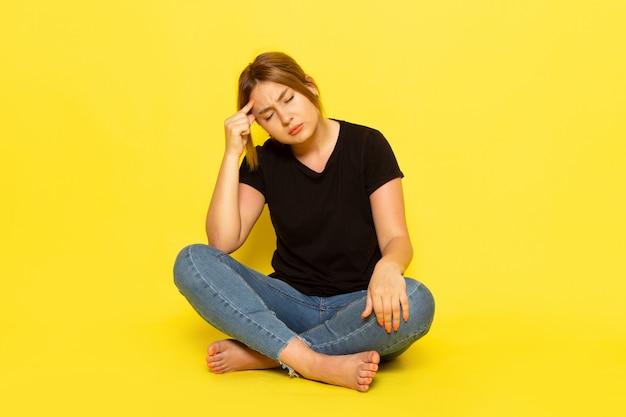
x=386, y=297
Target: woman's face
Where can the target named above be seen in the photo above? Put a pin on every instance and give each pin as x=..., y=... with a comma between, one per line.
x=287, y=115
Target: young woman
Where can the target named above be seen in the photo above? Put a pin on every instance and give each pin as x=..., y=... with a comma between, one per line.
x=337, y=302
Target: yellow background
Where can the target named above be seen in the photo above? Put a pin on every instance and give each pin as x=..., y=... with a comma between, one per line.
x=507, y=119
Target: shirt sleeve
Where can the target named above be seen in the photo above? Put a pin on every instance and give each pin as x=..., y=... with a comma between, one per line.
x=252, y=178
x=381, y=165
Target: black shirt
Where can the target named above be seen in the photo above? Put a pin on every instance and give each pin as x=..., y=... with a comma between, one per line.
x=326, y=241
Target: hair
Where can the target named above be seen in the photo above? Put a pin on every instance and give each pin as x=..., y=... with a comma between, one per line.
x=279, y=68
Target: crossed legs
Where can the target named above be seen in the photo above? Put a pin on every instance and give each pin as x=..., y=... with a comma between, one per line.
x=253, y=309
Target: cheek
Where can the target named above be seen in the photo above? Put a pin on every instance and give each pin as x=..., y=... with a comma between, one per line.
x=268, y=125
x=310, y=108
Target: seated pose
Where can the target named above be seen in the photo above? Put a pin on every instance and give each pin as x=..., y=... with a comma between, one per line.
x=337, y=303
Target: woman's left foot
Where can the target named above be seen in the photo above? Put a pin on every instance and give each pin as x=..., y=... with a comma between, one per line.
x=230, y=355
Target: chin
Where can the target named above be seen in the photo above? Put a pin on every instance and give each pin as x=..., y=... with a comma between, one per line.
x=301, y=137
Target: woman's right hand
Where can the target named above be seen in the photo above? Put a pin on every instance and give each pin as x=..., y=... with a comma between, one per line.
x=237, y=129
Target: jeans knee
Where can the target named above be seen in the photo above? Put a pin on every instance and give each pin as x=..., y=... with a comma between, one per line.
x=185, y=265
x=180, y=267
x=422, y=302
x=192, y=261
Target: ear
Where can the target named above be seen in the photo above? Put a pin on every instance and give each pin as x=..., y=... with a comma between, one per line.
x=310, y=83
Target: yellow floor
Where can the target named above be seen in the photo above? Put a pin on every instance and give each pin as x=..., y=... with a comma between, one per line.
x=506, y=117
x=132, y=348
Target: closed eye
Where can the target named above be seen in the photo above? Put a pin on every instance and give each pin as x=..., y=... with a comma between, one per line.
x=282, y=95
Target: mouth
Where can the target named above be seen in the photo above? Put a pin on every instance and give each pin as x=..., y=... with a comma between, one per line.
x=296, y=129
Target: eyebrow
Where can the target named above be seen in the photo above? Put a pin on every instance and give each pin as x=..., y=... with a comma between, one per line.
x=280, y=97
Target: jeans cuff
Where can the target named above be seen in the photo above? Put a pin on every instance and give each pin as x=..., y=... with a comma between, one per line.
x=292, y=372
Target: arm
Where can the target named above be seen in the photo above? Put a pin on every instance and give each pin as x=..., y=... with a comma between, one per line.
x=234, y=207
x=387, y=289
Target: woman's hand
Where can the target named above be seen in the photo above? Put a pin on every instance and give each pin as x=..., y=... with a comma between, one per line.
x=237, y=129
x=234, y=207
x=386, y=296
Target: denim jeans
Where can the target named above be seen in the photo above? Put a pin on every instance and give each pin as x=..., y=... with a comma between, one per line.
x=265, y=313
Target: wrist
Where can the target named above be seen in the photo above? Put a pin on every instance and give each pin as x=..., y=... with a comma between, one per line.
x=388, y=264
x=232, y=157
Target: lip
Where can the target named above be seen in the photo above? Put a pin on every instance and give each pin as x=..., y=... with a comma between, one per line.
x=296, y=129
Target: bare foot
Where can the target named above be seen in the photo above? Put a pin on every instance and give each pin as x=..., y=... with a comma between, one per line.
x=355, y=371
x=230, y=355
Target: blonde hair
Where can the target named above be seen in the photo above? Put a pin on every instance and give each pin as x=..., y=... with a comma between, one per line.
x=279, y=68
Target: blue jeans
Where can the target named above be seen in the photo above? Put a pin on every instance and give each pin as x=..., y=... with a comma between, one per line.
x=265, y=313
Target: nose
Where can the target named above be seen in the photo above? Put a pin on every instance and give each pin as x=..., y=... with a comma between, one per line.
x=286, y=119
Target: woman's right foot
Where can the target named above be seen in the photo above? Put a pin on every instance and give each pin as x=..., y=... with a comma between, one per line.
x=355, y=371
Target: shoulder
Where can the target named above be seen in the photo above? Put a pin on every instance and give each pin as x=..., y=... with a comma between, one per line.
x=271, y=145
x=271, y=150
x=362, y=137
x=358, y=130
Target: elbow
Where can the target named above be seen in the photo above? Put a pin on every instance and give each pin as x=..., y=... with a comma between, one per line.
x=220, y=246
x=220, y=243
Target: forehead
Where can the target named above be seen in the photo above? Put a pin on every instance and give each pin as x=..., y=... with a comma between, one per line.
x=267, y=91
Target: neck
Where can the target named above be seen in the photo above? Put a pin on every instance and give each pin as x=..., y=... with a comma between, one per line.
x=318, y=144
x=315, y=152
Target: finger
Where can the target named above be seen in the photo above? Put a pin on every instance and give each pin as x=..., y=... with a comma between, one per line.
x=243, y=129
x=379, y=311
x=404, y=302
x=239, y=124
x=368, y=308
x=396, y=315
x=245, y=109
x=388, y=314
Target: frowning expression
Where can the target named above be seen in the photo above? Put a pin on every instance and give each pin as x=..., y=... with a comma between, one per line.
x=287, y=115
